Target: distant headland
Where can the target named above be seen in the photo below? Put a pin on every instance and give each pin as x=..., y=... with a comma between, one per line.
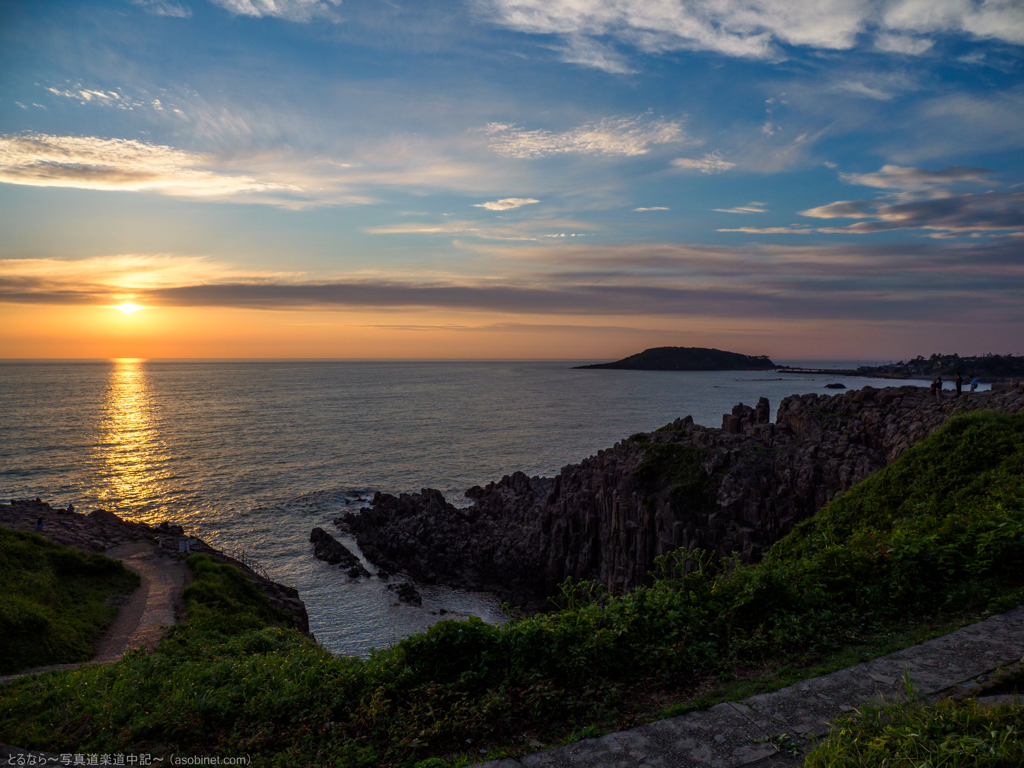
x=688, y=359
x=987, y=368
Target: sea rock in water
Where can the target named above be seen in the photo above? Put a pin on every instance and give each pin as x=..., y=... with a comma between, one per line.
x=330, y=550
x=836, y=385
x=407, y=593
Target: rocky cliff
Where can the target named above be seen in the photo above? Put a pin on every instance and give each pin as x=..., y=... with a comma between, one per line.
x=732, y=490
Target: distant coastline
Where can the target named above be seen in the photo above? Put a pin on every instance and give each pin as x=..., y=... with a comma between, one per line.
x=987, y=368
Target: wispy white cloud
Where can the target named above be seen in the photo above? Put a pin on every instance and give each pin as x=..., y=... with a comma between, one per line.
x=711, y=163
x=165, y=8
x=859, y=88
x=758, y=28
x=654, y=208
x=113, y=98
x=793, y=229
x=747, y=29
x=291, y=10
x=906, y=44
x=506, y=204
x=118, y=164
x=588, y=52
x=85, y=95
x=989, y=19
x=897, y=177
x=748, y=208
x=612, y=136
x=528, y=230
x=880, y=85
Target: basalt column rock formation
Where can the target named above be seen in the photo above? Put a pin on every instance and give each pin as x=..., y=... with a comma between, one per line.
x=731, y=490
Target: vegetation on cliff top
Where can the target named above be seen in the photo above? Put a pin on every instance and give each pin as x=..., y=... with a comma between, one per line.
x=936, y=539
x=920, y=367
x=53, y=600
x=687, y=359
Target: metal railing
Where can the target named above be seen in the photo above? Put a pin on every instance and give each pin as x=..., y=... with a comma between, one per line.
x=250, y=562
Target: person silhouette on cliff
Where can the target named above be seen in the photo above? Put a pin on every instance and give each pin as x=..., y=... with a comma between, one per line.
x=936, y=387
x=959, y=384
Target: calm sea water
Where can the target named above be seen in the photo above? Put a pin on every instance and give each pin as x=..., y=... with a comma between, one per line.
x=253, y=455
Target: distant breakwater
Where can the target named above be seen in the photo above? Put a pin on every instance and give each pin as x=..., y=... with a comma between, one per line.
x=734, y=490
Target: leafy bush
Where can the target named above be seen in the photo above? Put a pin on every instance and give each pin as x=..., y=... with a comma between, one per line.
x=53, y=600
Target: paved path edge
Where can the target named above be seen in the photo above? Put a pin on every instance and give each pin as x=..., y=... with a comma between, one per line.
x=741, y=733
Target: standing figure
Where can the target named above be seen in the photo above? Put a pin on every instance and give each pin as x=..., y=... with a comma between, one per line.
x=974, y=384
x=936, y=387
x=959, y=384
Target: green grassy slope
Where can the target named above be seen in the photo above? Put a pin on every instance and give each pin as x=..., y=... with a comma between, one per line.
x=937, y=539
x=53, y=600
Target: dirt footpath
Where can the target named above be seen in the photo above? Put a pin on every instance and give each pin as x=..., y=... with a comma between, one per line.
x=150, y=611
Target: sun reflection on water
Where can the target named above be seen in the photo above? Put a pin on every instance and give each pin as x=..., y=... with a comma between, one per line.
x=133, y=455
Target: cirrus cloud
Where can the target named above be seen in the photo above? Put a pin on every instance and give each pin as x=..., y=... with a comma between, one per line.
x=897, y=177
x=611, y=136
x=748, y=208
x=290, y=10
x=506, y=204
x=756, y=29
x=712, y=163
x=86, y=162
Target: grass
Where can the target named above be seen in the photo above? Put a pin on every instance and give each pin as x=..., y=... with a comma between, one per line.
x=950, y=734
x=53, y=600
x=932, y=542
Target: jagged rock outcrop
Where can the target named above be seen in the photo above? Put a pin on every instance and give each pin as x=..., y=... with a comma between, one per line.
x=101, y=530
x=330, y=550
x=731, y=490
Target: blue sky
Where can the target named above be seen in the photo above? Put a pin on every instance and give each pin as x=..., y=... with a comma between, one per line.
x=512, y=178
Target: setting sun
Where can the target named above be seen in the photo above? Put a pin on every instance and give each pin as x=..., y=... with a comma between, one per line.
x=128, y=308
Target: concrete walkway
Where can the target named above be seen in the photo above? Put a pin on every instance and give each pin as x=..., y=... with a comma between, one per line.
x=738, y=733
x=151, y=609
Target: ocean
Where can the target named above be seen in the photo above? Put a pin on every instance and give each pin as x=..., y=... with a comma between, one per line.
x=251, y=455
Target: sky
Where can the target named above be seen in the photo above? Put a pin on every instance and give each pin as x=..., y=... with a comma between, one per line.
x=805, y=179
